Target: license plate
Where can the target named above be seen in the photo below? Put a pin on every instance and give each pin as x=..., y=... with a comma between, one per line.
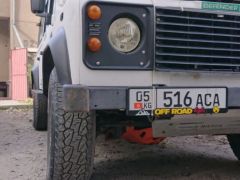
x=177, y=101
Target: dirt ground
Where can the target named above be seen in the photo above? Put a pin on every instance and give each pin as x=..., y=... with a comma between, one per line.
x=23, y=155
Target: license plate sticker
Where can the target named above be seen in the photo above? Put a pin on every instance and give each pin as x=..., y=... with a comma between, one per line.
x=141, y=102
x=177, y=101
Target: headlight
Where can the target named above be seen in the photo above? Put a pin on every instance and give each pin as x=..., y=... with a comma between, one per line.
x=124, y=35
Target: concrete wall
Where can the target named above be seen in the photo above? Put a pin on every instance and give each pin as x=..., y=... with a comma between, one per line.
x=26, y=23
x=4, y=8
x=4, y=50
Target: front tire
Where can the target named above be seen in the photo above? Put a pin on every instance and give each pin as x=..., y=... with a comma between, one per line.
x=234, y=141
x=71, y=138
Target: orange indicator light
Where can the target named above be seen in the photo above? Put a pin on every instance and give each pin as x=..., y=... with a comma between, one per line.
x=94, y=44
x=94, y=12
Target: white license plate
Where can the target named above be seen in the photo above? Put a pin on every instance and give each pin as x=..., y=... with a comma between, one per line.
x=177, y=101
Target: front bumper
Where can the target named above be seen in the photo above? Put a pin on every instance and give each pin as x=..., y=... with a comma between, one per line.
x=84, y=98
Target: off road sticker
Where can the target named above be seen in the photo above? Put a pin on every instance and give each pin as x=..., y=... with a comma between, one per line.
x=184, y=111
x=178, y=111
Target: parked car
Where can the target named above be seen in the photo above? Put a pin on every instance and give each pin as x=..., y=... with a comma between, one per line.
x=169, y=65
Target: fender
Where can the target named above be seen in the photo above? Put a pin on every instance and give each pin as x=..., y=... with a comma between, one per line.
x=60, y=56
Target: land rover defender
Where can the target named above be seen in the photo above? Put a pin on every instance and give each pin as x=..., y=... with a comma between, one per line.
x=172, y=66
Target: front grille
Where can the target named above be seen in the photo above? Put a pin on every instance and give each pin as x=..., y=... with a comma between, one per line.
x=187, y=40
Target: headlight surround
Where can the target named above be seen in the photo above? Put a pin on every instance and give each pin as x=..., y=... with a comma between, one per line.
x=124, y=35
x=137, y=55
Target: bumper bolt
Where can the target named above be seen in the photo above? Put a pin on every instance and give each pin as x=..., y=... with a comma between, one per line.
x=98, y=63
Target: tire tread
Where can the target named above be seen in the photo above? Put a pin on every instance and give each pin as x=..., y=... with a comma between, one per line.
x=39, y=112
x=71, y=161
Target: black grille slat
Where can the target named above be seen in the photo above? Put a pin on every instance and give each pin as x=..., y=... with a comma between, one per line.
x=196, y=55
x=197, y=48
x=196, y=33
x=198, y=26
x=197, y=40
x=188, y=40
x=195, y=63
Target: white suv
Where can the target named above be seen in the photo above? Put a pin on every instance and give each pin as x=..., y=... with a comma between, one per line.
x=169, y=65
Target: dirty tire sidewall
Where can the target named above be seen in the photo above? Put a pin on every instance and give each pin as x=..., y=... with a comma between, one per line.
x=234, y=141
x=40, y=112
x=71, y=138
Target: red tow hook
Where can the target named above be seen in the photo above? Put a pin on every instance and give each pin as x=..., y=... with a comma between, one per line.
x=141, y=136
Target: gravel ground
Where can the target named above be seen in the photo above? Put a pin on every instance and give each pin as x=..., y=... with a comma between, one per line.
x=23, y=155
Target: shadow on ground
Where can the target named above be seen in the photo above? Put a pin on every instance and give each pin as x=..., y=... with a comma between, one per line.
x=169, y=161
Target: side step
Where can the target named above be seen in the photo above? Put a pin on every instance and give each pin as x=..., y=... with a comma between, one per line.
x=213, y=124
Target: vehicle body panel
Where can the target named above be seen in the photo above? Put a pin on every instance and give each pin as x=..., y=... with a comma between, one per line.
x=73, y=25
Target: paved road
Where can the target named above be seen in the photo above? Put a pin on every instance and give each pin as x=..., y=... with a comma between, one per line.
x=23, y=155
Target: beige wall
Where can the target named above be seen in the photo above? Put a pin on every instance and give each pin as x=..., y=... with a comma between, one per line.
x=4, y=8
x=4, y=50
x=26, y=24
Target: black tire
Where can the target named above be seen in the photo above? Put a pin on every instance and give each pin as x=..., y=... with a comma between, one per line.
x=39, y=112
x=71, y=138
x=234, y=141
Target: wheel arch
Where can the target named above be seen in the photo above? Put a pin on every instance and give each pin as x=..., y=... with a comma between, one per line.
x=56, y=55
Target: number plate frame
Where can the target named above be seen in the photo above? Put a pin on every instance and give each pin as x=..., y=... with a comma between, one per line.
x=145, y=108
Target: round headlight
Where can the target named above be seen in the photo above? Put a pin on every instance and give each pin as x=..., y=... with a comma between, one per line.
x=124, y=35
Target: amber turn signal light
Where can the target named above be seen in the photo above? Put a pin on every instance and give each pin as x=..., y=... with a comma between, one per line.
x=94, y=44
x=94, y=12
